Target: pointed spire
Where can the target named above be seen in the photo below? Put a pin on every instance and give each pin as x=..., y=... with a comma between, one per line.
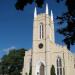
x=35, y=13
x=51, y=15
x=46, y=8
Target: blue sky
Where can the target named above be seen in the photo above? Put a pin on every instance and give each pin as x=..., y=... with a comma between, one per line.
x=16, y=26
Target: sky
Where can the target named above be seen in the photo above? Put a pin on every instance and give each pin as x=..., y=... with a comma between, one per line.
x=16, y=26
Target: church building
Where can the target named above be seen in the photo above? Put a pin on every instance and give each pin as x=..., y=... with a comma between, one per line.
x=45, y=53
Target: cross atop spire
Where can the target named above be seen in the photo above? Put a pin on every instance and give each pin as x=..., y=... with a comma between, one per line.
x=35, y=13
x=46, y=8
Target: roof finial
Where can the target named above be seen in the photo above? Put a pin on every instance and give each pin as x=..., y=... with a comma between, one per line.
x=51, y=15
x=35, y=13
x=46, y=8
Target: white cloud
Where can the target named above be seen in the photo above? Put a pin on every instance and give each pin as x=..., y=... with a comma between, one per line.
x=6, y=51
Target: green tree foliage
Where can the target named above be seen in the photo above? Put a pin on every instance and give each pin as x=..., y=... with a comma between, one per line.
x=69, y=17
x=21, y=3
x=12, y=63
x=52, y=71
x=30, y=72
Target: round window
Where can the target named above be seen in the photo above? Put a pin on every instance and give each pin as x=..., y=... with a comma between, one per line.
x=40, y=45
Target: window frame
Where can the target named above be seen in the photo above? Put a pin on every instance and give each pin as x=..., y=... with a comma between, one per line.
x=59, y=66
x=41, y=30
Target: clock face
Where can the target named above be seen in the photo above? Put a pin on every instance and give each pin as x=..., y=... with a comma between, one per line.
x=40, y=45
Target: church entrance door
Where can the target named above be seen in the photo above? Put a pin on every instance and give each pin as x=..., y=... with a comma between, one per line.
x=42, y=69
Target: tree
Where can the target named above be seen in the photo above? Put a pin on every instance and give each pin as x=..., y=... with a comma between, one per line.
x=30, y=71
x=20, y=4
x=12, y=63
x=69, y=18
x=52, y=70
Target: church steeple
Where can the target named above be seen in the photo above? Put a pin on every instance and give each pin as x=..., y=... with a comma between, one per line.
x=46, y=8
x=35, y=13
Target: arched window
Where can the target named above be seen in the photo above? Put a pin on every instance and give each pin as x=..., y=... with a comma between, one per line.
x=59, y=66
x=41, y=30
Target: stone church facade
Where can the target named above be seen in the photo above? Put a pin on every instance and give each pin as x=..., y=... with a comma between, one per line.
x=45, y=51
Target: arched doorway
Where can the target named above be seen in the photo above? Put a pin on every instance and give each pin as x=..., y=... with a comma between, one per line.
x=40, y=68
x=42, y=72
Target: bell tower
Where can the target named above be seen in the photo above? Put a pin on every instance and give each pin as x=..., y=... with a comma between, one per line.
x=43, y=34
x=43, y=28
